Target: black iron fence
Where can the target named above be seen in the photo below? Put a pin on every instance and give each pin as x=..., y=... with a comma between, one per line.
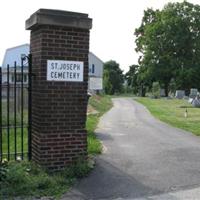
x=15, y=110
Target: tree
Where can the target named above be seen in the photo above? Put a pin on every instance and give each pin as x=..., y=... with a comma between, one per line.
x=112, y=78
x=169, y=41
x=131, y=77
x=138, y=79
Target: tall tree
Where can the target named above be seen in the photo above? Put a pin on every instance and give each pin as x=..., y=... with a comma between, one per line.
x=169, y=41
x=131, y=77
x=137, y=81
x=112, y=78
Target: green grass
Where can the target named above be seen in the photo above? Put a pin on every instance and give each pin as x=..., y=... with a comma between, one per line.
x=9, y=142
x=26, y=179
x=8, y=135
x=172, y=112
x=101, y=104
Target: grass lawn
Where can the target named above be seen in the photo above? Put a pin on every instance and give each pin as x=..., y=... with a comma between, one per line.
x=9, y=143
x=8, y=135
x=172, y=112
x=101, y=104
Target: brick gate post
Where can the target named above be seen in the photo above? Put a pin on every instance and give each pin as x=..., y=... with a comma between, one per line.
x=59, y=47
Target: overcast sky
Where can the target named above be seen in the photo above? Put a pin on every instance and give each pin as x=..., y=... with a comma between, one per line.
x=114, y=22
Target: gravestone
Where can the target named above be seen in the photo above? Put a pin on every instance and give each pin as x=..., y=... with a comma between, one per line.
x=196, y=103
x=193, y=92
x=180, y=94
x=162, y=92
x=59, y=47
x=190, y=100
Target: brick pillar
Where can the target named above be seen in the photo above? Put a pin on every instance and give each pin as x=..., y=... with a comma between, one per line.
x=59, y=107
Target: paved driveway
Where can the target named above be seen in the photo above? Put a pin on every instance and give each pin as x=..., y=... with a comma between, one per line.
x=142, y=157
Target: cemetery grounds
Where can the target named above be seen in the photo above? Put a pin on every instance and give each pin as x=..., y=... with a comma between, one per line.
x=172, y=111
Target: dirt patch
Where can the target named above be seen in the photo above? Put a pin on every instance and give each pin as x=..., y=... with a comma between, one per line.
x=91, y=110
x=97, y=97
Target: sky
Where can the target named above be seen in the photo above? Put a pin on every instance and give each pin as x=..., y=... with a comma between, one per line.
x=114, y=21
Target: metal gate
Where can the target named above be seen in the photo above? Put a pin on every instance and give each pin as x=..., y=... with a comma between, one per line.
x=15, y=110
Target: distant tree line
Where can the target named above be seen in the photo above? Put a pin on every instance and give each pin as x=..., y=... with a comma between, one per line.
x=113, y=78
x=168, y=42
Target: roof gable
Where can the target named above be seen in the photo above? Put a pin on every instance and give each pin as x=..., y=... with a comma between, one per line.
x=14, y=54
x=93, y=55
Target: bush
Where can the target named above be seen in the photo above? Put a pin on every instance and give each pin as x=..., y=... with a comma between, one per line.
x=156, y=90
x=3, y=170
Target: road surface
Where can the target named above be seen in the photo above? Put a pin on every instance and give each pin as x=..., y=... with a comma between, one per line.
x=142, y=157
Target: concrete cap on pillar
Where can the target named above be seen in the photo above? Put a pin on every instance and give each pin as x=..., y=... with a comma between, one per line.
x=58, y=18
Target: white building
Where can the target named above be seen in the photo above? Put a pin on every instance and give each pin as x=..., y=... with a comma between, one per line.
x=14, y=54
x=11, y=56
x=95, y=73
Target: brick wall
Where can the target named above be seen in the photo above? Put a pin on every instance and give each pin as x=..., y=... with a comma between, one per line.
x=59, y=108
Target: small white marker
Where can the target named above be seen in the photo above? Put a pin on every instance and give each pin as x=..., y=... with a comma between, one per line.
x=186, y=113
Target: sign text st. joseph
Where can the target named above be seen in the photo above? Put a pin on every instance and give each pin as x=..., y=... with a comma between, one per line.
x=64, y=70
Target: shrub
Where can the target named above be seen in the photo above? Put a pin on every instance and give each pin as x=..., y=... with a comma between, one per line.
x=156, y=90
x=3, y=170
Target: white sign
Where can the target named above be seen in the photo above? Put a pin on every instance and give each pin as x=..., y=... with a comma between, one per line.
x=64, y=70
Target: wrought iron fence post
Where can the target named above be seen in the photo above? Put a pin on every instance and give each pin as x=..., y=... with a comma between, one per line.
x=1, y=141
x=29, y=106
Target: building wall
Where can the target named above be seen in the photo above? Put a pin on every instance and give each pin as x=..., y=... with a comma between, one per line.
x=95, y=83
x=95, y=66
x=11, y=56
x=14, y=55
x=12, y=76
x=4, y=77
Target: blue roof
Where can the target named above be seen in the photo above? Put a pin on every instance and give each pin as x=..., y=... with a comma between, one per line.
x=14, y=54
